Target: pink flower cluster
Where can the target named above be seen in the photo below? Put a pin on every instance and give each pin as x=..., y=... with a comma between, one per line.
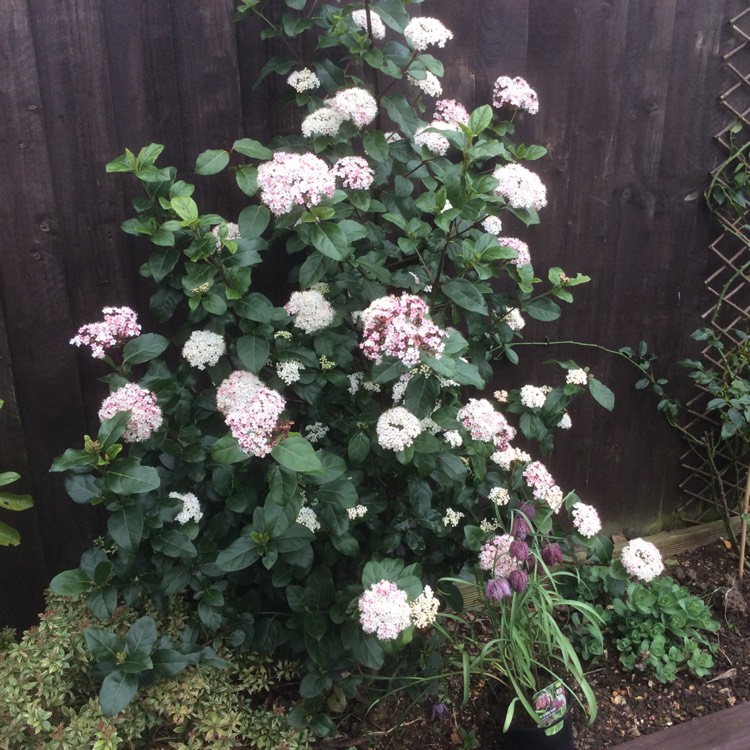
x=479, y=417
x=145, y=414
x=539, y=480
x=515, y=92
x=399, y=327
x=251, y=412
x=290, y=180
x=521, y=248
x=452, y=112
x=520, y=187
x=119, y=325
x=354, y=172
x=434, y=142
x=384, y=610
x=495, y=556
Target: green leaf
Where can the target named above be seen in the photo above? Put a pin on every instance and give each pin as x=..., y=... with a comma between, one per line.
x=601, y=394
x=421, y=395
x=254, y=306
x=174, y=543
x=167, y=662
x=117, y=691
x=226, y=450
x=466, y=295
x=70, y=582
x=144, y=348
x=543, y=309
x=247, y=180
x=185, y=207
x=253, y=352
x=254, y=149
x=127, y=476
x=296, y=453
x=161, y=262
x=240, y=554
x=358, y=448
x=330, y=240
x=9, y=537
x=102, y=601
x=211, y=161
x=141, y=636
x=253, y=221
x=103, y=645
x=111, y=430
x=73, y=458
x=125, y=526
x=11, y=501
x=480, y=119
x=375, y=145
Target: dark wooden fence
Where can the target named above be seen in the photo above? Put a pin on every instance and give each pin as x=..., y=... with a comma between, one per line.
x=628, y=92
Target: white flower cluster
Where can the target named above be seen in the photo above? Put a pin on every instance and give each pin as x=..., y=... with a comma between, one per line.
x=289, y=370
x=204, y=348
x=515, y=92
x=355, y=104
x=356, y=512
x=424, y=609
x=422, y=32
x=435, y=143
x=489, y=525
x=397, y=428
x=303, y=80
x=533, y=397
x=577, y=377
x=586, y=520
x=323, y=121
x=492, y=225
x=452, y=517
x=191, y=508
x=641, y=559
x=429, y=85
x=499, y=496
x=554, y=498
x=514, y=320
x=565, y=422
x=376, y=22
x=506, y=457
x=316, y=431
x=311, y=310
x=520, y=187
x=308, y=518
x=453, y=438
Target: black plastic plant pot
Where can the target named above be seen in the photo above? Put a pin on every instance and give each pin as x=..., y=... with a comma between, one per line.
x=536, y=738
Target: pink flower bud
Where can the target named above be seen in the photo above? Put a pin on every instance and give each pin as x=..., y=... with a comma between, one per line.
x=497, y=589
x=518, y=580
x=552, y=554
x=519, y=550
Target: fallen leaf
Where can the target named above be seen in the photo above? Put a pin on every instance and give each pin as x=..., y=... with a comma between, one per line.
x=728, y=675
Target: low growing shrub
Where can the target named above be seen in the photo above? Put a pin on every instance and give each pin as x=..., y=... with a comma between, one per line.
x=48, y=695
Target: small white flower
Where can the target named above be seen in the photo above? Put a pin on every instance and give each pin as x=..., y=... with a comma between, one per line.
x=424, y=608
x=565, y=422
x=204, y=348
x=316, y=431
x=453, y=438
x=356, y=512
x=577, y=377
x=289, y=370
x=641, y=559
x=310, y=310
x=499, y=496
x=492, y=225
x=303, y=80
x=376, y=22
x=397, y=429
x=423, y=32
x=323, y=121
x=514, y=320
x=452, y=517
x=532, y=397
x=191, y=508
x=308, y=517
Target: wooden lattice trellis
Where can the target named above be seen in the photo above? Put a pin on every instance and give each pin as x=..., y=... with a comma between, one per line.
x=728, y=285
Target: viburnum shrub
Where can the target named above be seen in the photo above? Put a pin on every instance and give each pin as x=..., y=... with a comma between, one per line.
x=305, y=467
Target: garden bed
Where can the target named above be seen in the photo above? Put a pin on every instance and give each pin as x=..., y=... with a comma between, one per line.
x=631, y=704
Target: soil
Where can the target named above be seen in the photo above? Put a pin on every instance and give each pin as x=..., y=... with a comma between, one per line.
x=630, y=703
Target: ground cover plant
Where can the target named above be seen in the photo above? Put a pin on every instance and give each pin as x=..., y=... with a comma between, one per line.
x=306, y=467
